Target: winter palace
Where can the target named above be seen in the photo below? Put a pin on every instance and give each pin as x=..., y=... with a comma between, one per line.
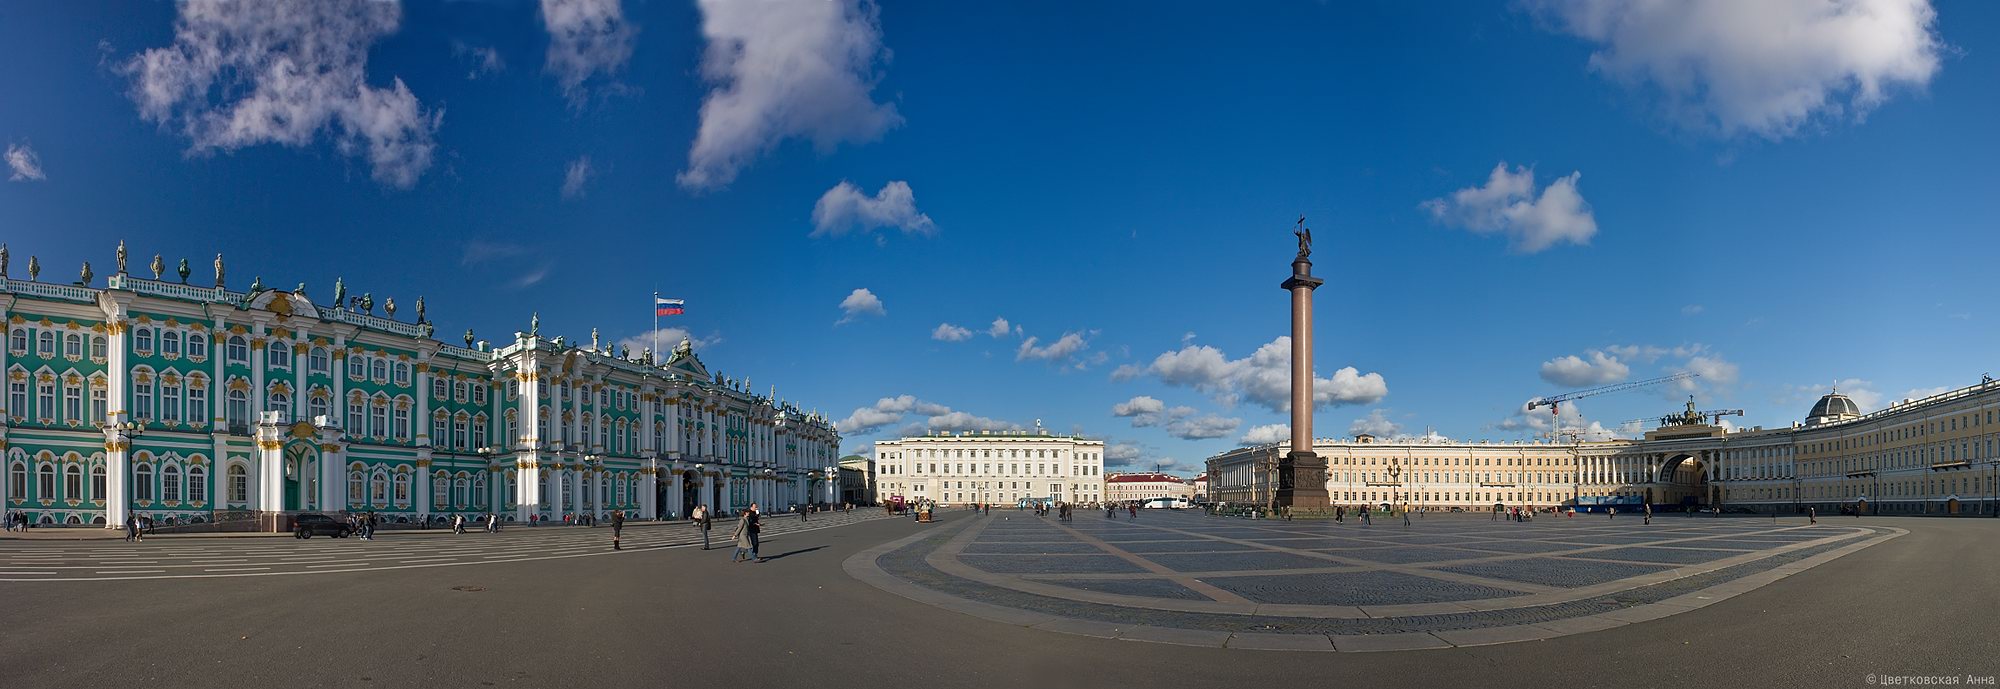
x=192, y=404
x=1935, y=455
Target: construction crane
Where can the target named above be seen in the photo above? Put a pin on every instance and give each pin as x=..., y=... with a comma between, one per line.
x=1554, y=402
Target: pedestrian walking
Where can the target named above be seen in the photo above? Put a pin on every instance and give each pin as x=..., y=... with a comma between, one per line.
x=802, y=515
x=700, y=516
x=617, y=528
x=458, y=524
x=1406, y=517
x=1649, y=514
x=131, y=528
x=1812, y=515
x=747, y=530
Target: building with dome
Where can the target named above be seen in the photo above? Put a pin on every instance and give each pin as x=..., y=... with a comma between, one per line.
x=1935, y=455
x=188, y=403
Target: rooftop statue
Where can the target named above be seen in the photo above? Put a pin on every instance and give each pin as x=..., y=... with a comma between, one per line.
x=184, y=271
x=159, y=267
x=218, y=270
x=1305, y=235
x=3, y=260
x=121, y=257
x=86, y=273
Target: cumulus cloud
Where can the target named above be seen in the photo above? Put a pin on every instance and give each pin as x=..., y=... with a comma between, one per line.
x=929, y=416
x=1061, y=349
x=1202, y=427
x=586, y=38
x=846, y=208
x=1692, y=310
x=1507, y=204
x=578, y=174
x=24, y=164
x=785, y=69
x=950, y=333
x=242, y=74
x=1377, y=423
x=1143, y=410
x=1264, y=378
x=668, y=339
x=1766, y=68
x=1538, y=421
x=1592, y=369
x=1267, y=434
x=1000, y=328
x=858, y=303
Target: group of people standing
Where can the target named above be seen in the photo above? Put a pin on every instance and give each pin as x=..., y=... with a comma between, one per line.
x=18, y=521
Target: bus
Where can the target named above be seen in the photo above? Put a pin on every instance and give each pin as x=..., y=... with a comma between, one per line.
x=1167, y=503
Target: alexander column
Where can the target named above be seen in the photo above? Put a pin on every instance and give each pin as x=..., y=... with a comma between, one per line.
x=1301, y=473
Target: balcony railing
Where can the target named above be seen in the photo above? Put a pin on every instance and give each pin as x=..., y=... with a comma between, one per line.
x=49, y=290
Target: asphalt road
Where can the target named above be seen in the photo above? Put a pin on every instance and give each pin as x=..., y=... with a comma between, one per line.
x=1921, y=604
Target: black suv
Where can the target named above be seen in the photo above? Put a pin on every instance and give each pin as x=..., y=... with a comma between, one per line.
x=309, y=525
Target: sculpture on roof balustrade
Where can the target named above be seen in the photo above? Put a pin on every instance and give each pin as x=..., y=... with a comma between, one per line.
x=159, y=266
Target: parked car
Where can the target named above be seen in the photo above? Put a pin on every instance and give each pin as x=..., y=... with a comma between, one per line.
x=310, y=525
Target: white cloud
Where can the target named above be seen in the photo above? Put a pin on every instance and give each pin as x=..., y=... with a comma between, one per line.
x=1715, y=372
x=1920, y=393
x=950, y=333
x=1576, y=372
x=1122, y=454
x=1507, y=204
x=1000, y=328
x=1143, y=410
x=1063, y=349
x=480, y=251
x=1538, y=420
x=784, y=69
x=578, y=173
x=586, y=38
x=242, y=74
x=1767, y=67
x=858, y=303
x=1267, y=434
x=26, y=166
x=669, y=337
x=1377, y=423
x=1202, y=427
x=1126, y=372
x=890, y=411
x=1692, y=310
x=846, y=208
x=1264, y=378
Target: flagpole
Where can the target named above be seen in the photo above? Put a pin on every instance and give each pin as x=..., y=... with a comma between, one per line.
x=656, y=325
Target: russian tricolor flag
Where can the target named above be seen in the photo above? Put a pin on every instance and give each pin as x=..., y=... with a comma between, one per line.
x=667, y=307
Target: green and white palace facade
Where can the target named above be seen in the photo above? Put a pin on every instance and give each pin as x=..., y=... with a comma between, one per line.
x=197, y=404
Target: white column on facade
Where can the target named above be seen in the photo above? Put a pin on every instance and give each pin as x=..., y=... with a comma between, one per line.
x=646, y=439
x=527, y=472
x=218, y=395
x=422, y=420
x=649, y=490
x=117, y=464
x=270, y=461
x=556, y=492
x=332, y=473
x=260, y=398
x=706, y=496
x=675, y=487
x=298, y=372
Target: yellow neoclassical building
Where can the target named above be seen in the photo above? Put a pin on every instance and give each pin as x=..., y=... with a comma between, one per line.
x=1935, y=455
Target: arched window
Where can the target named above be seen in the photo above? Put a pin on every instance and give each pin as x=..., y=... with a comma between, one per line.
x=318, y=405
x=142, y=395
x=440, y=489
x=357, y=406
x=237, y=350
x=73, y=401
x=458, y=431
x=73, y=482
x=197, y=346
x=479, y=490
x=73, y=346
x=379, y=488
x=440, y=428
x=197, y=399
x=170, y=344
x=478, y=431
x=197, y=484
x=239, y=484
x=142, y=340
x=378, y=369
x=97, y=347
x=402, y=488
x=378, y=417
x=402, y=373
x=318, y=361
x=356, y=488
x=142, y=482
x=278, y=354
x=170, y=483
x=399, y=425
x=357, y=366
x=17, y=341
x=170, y=400
x=238, y=412
x=97, y=482
x=281, y=402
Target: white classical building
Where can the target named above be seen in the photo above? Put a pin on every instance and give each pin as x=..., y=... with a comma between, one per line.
x=990, y=467
x=1146, y=486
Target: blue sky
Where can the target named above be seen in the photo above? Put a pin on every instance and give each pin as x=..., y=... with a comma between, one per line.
x=1777, y=195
